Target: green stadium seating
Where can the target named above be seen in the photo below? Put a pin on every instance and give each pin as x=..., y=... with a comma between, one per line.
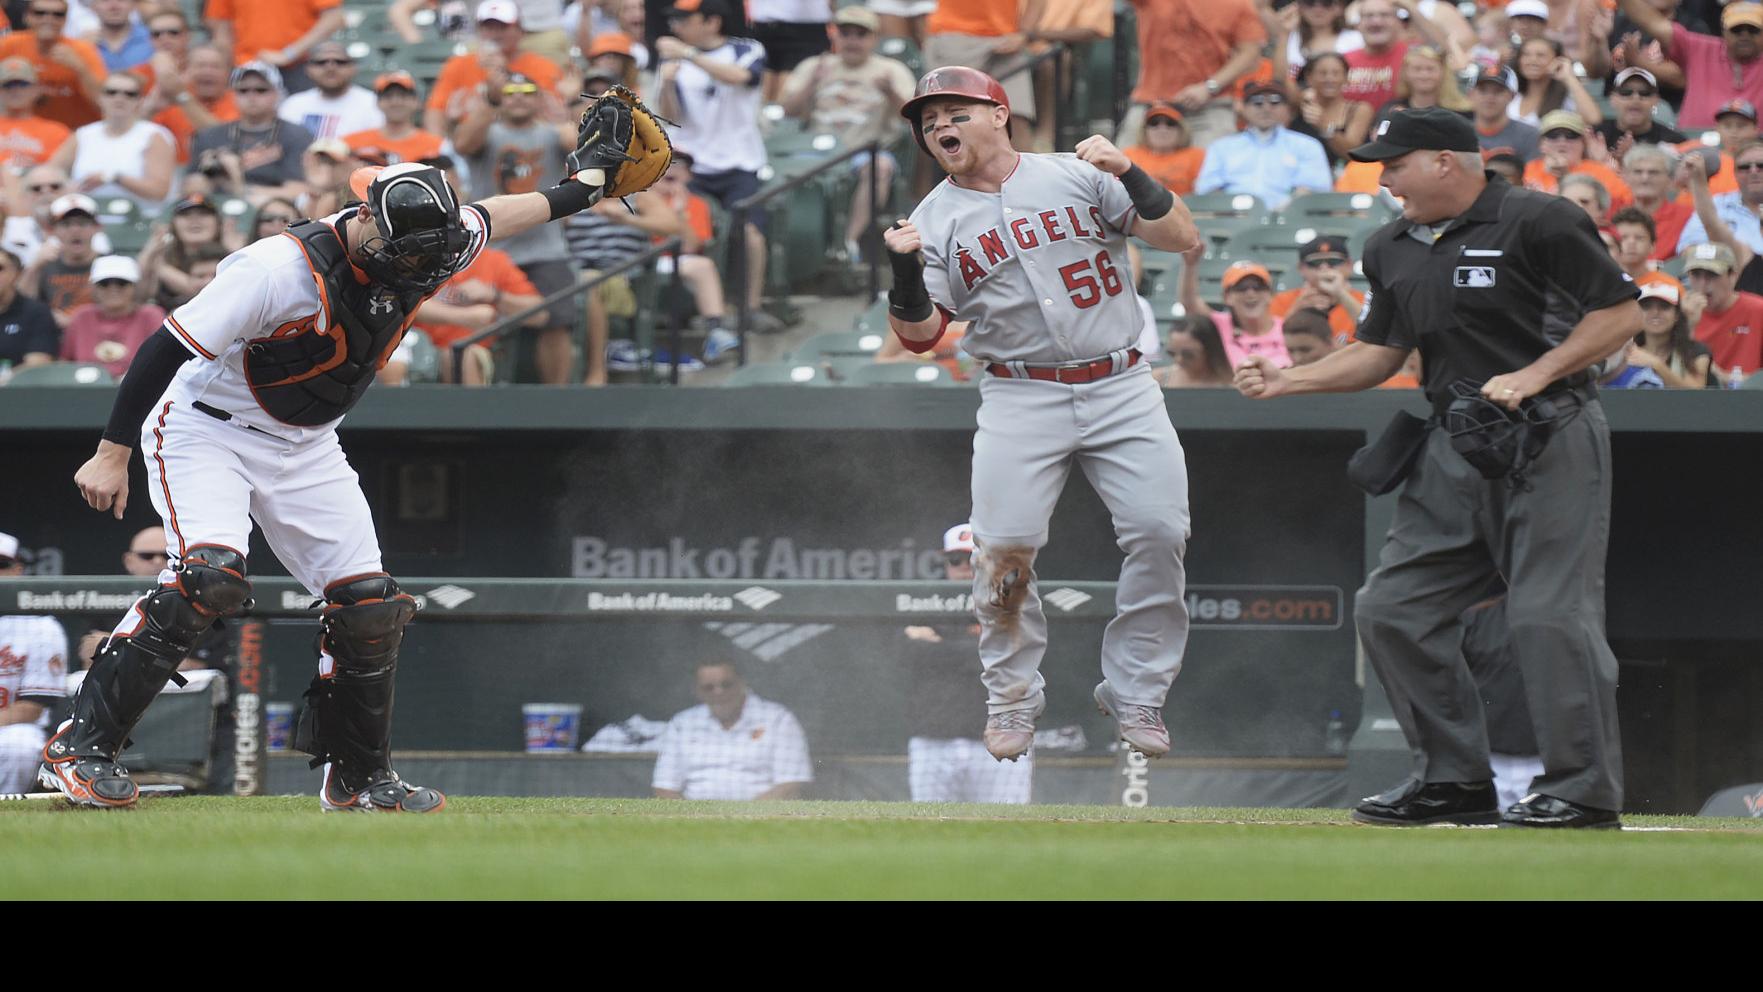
x=62, y=374
x=425, y=358
x=874, y=320
x=900, y=374
x=1219, y=230
x=1215, y=205
x=834, y=343
x=905, y=51
x=1313, y=207
x=1277, y=244
x=778, y=374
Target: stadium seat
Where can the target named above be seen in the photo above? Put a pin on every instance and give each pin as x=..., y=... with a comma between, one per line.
x=834, y=343
x=874, y=320
x=1219, y=230
x=1312, y=207
x=425, y=358
x=62, y=374
x=778, y=374
x=905, y=51
x=1217, y=205
x=899, y=374
x=1277, y=244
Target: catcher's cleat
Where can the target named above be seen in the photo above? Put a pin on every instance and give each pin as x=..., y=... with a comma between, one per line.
x=385, y=792
x=1009, y=735
x=85, y=780
x=1141, y=727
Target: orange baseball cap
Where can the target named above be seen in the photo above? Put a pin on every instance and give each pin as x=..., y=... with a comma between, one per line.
x=1239, y=271
x=1167, y=111
x=397, y=77
x=610, y=43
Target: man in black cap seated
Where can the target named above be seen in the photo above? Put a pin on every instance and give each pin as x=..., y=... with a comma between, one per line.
x=1510, y=297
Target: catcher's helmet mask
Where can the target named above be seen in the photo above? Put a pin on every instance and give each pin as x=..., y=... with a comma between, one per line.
x=421, y=241
x=1500, y=443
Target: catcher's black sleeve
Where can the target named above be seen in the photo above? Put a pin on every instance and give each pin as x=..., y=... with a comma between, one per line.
x=157, y=361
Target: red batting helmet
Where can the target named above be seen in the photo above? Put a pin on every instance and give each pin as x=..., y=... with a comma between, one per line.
x=951, y=80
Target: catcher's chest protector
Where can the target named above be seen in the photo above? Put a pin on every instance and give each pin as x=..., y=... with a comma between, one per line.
x=304, y=376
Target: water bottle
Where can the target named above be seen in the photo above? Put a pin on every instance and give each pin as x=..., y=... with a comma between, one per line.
x=1334, y=734
x=5, y=371
x=1735, y=379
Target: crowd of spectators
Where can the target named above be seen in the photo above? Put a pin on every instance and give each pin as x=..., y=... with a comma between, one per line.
x=224, y=128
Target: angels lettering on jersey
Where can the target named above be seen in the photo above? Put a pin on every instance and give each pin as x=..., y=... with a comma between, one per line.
x=975, y=262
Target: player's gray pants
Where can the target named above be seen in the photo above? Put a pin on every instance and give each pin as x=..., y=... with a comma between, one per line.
x=1118, y=431
x=1452, y=530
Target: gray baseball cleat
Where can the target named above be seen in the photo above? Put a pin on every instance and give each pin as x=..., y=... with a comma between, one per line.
x=1141, y=727
x=1009, y=735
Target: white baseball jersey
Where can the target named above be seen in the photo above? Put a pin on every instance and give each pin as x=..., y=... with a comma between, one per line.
x=719, y=122
x=1040, y=268
x=265, y=289
x=33, y=659
x=701, y=759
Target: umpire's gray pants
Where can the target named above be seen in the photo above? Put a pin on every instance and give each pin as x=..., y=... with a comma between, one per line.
x=1118, y=431
x=1452, y=530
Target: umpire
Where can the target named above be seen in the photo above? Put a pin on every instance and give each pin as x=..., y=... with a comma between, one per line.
x=1510, y=296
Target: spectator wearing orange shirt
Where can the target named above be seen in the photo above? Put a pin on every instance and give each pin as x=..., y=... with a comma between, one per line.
x=278, y=32
x=169, y=31
x=1191, y=53
x=25, y=138
x=490, y=288
x=1324, y=265
x=485, y=70
x=71, y=72
x=400, y=138
x=197, y=99
x=1564, y=152
x=1164, y=151
x=986, y=35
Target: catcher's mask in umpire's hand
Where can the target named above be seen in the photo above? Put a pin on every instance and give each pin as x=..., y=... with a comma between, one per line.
x=1496, y=441
x=421, y=242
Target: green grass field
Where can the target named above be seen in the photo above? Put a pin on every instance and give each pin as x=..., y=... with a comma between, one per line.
x=284, y=848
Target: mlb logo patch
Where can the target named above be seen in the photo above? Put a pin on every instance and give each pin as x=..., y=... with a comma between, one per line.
x=1475, y=276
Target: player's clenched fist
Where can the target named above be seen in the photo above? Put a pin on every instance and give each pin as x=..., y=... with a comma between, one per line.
x=104, y=478
x=902, y=238
x=1258, y=378
x=1101, y=153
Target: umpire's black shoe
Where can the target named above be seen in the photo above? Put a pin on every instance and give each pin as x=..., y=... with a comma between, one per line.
x=1414, y=804
x=1537, y=810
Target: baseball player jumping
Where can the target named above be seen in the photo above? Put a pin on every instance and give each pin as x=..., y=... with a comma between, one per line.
x=1032, y=250
x=235, y=402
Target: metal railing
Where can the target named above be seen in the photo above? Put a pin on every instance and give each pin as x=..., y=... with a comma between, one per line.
x=1061, y=74
x=741, y=210
x=670, y=248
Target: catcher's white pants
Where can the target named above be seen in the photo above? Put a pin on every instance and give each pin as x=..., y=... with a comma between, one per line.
x=209, y=479
x=1118, y=431
x=963, y=771
x=21, y=751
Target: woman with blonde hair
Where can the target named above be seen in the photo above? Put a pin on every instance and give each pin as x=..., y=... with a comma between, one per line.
x=1424, y=80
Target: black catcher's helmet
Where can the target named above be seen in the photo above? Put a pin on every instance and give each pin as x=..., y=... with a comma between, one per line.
x=422, y=241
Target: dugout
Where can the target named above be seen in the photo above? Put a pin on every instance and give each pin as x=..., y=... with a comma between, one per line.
x=788, y=489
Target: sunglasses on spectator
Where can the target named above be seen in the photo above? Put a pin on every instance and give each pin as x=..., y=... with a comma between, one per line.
x=1325, y=263
x=957, y=557
x=1562, y=135
x=1318, y=3
x=112, y=283
x=1162, y=122
x=1747, y=166
x=512, y=88
x=17, y=84
x=330, y=62
x=47, y=187
x=1631, y=93
x=717, y=686
x=40, y=12
x=1745, y=29
x=167, y=32
x=253, y=90
x=853, y=31
x=129, y=93
x=1266, y=100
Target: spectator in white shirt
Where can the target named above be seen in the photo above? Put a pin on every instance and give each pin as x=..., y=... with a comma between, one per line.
x=335, y=106
x=33, y=673
x=734, y=746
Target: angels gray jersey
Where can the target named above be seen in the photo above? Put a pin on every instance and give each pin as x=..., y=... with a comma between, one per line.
x=1039, y=268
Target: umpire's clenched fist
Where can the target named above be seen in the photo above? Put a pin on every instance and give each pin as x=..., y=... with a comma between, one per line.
x=1258, y=378
x=902, y=238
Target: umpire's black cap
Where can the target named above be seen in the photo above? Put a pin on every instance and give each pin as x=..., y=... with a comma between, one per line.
x=1434, y=129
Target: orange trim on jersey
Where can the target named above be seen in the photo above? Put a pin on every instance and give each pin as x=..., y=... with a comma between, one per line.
x=165, y=479
x=177, y=328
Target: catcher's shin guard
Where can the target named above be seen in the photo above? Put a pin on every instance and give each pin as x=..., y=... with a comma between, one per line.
x=347, y=721
x=131, y=669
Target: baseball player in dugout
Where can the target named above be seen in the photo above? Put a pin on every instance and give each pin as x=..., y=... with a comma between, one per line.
x=1511, y=299
x=1032, y=250
x=235, y=403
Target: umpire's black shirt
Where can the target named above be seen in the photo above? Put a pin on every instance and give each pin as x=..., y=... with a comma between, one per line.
x=1502, y=284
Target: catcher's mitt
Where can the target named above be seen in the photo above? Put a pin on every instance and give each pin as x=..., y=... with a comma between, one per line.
x=625, y=140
